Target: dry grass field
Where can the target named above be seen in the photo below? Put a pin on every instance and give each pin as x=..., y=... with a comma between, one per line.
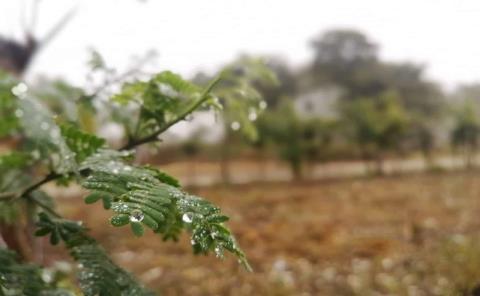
x=403, y=235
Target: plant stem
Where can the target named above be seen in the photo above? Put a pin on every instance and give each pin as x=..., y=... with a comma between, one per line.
x=153, y=137
x=150, y=138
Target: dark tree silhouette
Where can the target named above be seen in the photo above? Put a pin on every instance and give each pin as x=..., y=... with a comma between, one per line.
x=16, y=56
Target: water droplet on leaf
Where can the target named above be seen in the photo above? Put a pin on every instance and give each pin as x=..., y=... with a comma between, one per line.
x=20, y=89
x=218, y=252
x=187, y=218
x=235, y=125
x=252, y=116
x=263, y=105
x=44, y=126
x=136, y=216
x=18, y=113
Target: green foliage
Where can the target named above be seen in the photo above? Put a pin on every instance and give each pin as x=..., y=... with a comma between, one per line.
x=66, y=101
x=158, y=101
x=466, y=131
x=377, y=124
x=12, y=176
x=349, y=59
x=97, y=274
x=140, y=197
x=465, y=134
x=284, y=128
x=237, y=93
x=297, y=139
x=80, y=143
x=40, y=128
x=8, y=116
x=24, y=279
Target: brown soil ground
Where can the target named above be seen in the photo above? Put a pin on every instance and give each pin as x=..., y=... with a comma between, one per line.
x=305, y=238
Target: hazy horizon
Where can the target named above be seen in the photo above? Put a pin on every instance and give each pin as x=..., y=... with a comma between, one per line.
x=437, y=34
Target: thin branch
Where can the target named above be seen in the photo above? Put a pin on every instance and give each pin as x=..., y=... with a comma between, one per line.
x=50, y=177
x=154, y=136
x=58, y=27
x=151, y=138
x=34, y=17
x=119, y=78
x=7, y=195
x=44, y=206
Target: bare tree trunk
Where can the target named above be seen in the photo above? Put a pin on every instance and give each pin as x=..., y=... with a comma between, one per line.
x=225, y=161
x=379, y=165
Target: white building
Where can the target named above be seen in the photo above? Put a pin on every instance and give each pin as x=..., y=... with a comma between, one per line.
x=320, y=102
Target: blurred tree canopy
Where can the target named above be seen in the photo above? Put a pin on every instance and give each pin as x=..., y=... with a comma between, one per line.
x=376, y=125
x=348, y=58
x=465, y=134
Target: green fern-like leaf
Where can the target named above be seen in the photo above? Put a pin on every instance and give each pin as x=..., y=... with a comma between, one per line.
x=20, y=279
x=159, y=101
x=139, y=197
x=40, y=128
x=80, y=143
x=97, y=274
x=12, y=176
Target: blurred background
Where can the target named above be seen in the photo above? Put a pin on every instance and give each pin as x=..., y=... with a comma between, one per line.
x=358, y=176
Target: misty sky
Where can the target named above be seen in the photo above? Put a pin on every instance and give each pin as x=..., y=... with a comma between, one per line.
x=194, y=34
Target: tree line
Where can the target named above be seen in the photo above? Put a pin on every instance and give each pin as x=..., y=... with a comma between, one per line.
x=380, y=109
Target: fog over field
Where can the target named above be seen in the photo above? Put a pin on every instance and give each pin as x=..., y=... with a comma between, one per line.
x=209, y=33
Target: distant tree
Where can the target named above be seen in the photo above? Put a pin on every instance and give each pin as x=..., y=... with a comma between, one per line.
x=251, y=71
x=465, y=134
x=287, y=85
x=191, y=148
x=318, y=135
x=297, y=140
x=349, y=59
x=285, y=128
x=422, y=133
x=418, y=95
x=377, y=125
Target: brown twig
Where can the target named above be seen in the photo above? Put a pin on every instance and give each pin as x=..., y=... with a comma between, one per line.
x=147, y=139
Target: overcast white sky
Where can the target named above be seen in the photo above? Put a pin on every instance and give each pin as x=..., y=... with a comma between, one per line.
x=195, y=34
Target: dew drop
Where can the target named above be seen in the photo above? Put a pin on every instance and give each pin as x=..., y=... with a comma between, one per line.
x=55, y=133
x=44, y=126
x=35, y=154
x=19, y=113
x=263, y=105
x=187, y=218
x=20, y=89
x=189, y=117
x=235, y=125
x=252, y=116
x=218, y=252
x=47, y=276
x=136, y=216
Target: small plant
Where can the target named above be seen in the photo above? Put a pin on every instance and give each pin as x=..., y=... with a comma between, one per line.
x=48, y=148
